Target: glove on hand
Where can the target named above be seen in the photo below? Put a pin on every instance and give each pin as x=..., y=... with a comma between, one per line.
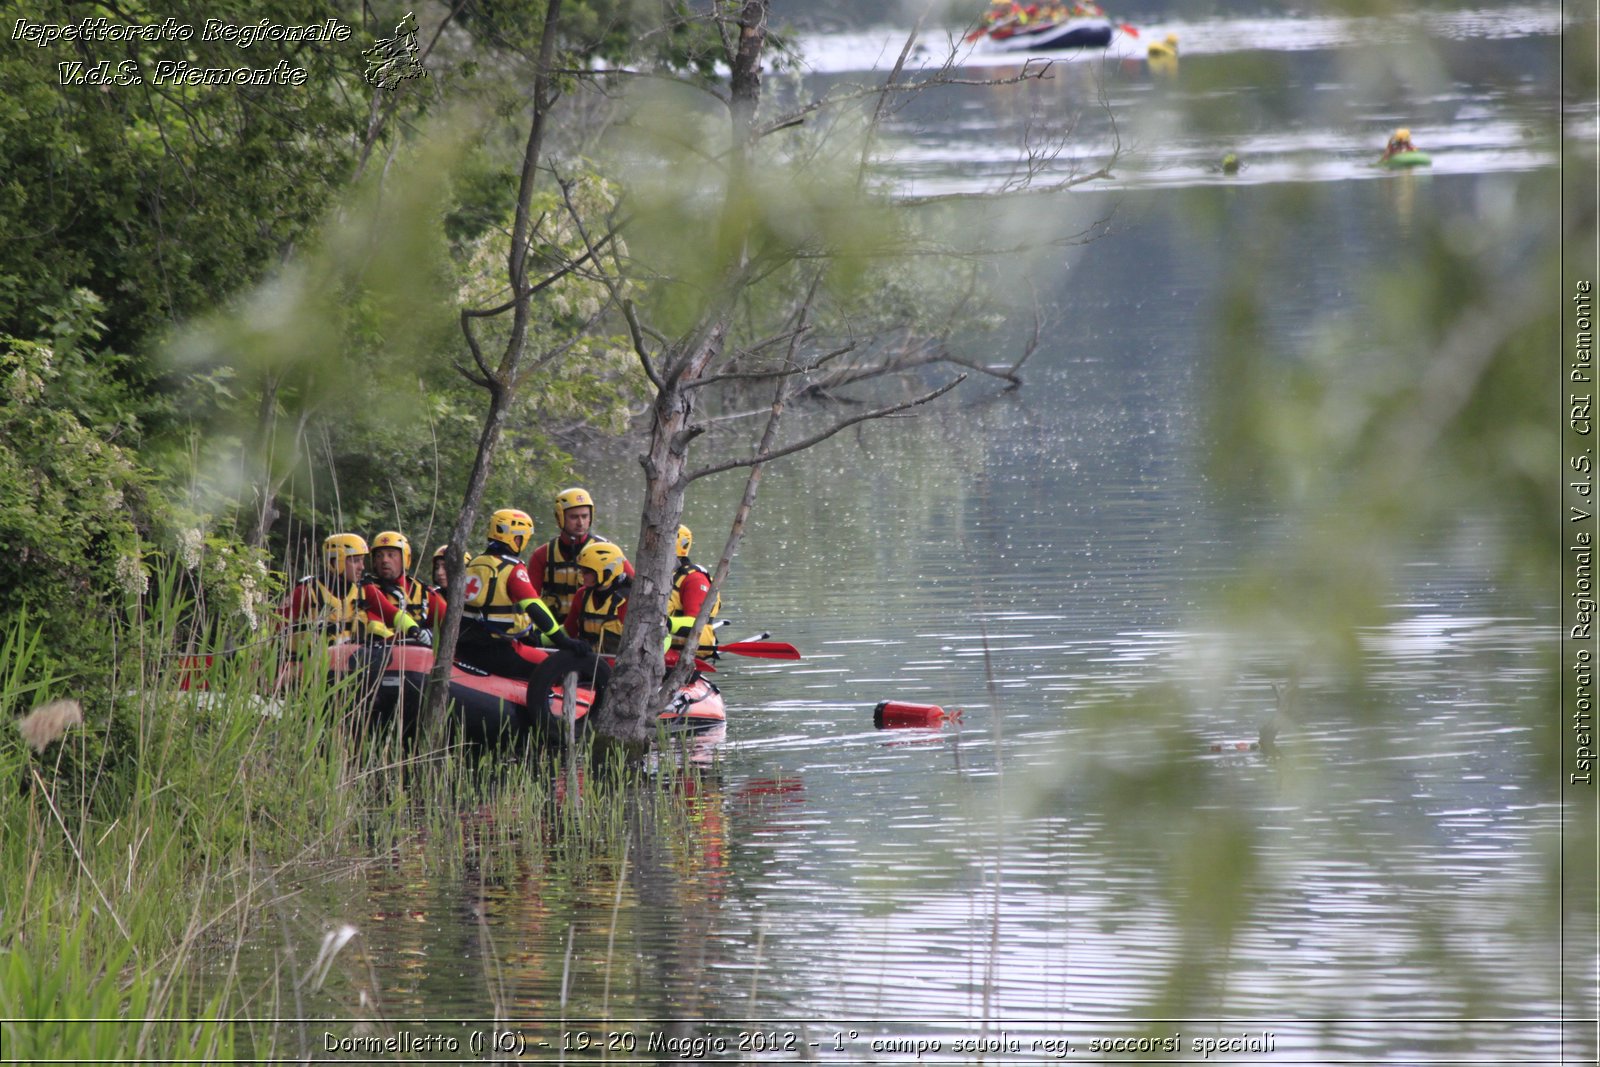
x=567, y=643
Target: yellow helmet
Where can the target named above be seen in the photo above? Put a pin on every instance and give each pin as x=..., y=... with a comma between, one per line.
x=511, y=527
x=395, y=539
x=339, y=547
x=685, y=540
x=1402, y=134
x=605, y=559
x=572, y=498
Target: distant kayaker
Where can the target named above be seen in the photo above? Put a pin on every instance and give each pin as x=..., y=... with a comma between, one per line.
x=328, y=605
x=397, y=605
x=502, y=617
x=554, y=565
x=1400, y=142
x=690, y=585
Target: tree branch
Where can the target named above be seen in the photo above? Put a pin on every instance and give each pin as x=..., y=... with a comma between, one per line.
x=818, y=438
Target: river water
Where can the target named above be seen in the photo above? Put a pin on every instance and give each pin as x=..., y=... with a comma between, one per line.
x=1059, y=867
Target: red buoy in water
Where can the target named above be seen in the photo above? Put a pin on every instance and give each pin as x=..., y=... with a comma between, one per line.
x=895, y=714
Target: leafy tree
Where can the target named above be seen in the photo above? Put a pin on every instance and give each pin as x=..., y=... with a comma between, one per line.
x=163, y=197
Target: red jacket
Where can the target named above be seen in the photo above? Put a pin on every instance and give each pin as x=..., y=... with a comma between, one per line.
x=692, y=592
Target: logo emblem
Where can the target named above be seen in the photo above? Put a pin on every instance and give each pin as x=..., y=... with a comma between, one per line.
x=474, y=586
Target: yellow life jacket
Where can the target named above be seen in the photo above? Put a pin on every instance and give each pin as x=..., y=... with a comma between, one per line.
x=488, y=603
x=335, y=616
x=562, y=578
x=598, y=618
x=675, y=611
x=413, y=600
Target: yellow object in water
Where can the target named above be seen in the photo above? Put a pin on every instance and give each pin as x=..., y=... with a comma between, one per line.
x=1166, y=49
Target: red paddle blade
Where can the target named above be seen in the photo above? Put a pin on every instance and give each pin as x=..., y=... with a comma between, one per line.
x=761, y=649
x=699, y=664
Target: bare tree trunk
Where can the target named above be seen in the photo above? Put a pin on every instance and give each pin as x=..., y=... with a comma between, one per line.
x=680, y=673
x=680, y=369
x=501, y=382
x=631, y=698
x=630, y=704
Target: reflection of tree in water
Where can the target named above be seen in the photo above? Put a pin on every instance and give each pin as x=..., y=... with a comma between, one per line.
x=680, y=836
x=603, y=906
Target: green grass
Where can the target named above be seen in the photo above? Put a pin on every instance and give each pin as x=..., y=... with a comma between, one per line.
x=143, y=848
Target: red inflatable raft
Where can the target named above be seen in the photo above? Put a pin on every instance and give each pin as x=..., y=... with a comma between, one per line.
x=493, y=710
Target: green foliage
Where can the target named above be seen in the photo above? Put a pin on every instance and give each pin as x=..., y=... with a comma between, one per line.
x=191, y=190
x=128, y=207
x=123, y=838
x=358, y=343
x=53, y=986
x=318, y=369
x=70, y=492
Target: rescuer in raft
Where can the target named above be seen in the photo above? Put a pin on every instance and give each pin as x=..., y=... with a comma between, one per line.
x=1400, y=142
x=554, y=566
x=441, y=576
x=503, y=618
x=599, y=609
x=690, y=585
x=329, y=605
x=594, y=622
x=397, y=605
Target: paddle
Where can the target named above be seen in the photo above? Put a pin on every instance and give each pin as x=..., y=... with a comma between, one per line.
x=672, y=661
x=761, y=649
x=699, y=664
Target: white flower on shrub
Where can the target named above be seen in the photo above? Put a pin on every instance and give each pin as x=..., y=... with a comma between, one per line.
x=250, y=599
x=190, y=544
x=131, y=576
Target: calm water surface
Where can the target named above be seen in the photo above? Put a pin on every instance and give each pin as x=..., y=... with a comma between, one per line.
x=1040, y=561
